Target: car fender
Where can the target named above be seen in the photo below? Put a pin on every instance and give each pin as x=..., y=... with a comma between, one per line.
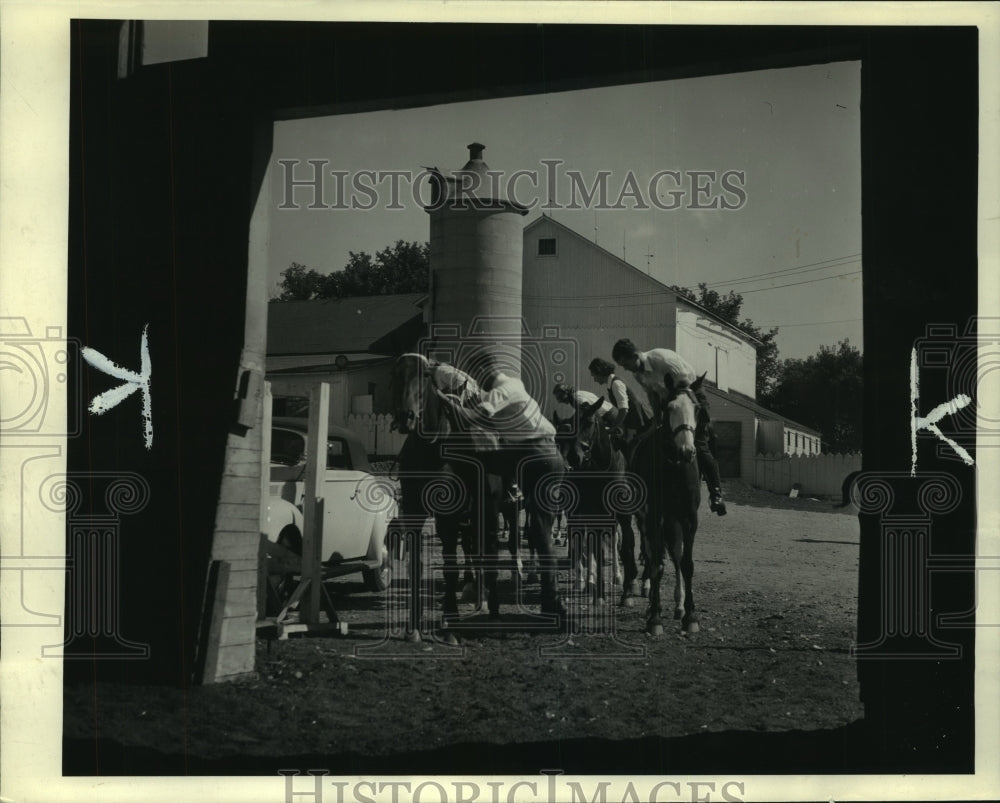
x=281, y=514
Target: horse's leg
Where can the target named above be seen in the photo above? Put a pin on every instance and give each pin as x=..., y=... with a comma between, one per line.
x=654, y=564
x=675, y=546
x=626, y=555
x=416, y=588
x=448, y=532
x=491, y=499
x=690, y=620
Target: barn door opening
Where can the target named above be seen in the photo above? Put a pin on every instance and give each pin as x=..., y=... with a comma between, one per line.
x=727, y=447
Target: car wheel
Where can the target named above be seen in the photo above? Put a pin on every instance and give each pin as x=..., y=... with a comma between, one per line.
x=377, y=579
x=291, y=539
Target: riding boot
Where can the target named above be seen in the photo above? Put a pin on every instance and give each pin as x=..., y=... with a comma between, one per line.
x=710, y=469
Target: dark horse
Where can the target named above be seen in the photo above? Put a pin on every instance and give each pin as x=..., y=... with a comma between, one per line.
x=428, y=401
x=597, y=474
x=441, y=476
x=665, y=460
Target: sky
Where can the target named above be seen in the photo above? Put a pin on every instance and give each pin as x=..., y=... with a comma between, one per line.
x=788, y=140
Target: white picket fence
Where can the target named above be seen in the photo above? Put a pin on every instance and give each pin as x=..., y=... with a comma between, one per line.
x=818, y=475
x=374, y=431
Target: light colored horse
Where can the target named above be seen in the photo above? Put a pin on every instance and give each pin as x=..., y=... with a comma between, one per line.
x=665, y=460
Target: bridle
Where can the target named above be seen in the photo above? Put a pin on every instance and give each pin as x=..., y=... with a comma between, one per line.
x=586, y=446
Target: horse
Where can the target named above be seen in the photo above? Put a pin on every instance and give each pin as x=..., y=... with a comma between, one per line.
x=664, y=458
x=464, y=500
x=596, y=463
x=428, y=399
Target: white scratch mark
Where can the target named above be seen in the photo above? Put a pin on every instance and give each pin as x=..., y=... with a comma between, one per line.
x=929, y=422
x=133, y=382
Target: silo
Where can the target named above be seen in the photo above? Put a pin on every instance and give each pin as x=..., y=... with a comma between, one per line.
x=475, y=256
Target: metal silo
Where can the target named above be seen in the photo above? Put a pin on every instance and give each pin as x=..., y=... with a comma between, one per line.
x=475, y=256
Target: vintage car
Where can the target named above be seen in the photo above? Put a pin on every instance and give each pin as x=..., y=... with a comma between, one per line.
x=357, y=506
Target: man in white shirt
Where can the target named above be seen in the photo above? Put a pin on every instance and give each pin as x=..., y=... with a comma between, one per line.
x=527, y=456
x=660, y=372
x=570, y=396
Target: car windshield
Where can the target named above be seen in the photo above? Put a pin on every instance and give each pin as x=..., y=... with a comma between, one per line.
x=288, y=448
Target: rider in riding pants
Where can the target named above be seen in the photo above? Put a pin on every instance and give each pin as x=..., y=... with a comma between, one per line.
x=660, y=372
x=527, y=454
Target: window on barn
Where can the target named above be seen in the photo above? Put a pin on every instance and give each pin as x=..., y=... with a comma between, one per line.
x=546, y=246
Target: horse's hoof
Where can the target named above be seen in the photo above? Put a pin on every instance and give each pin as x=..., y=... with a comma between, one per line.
x=655, y=629
x=627, y=601
x=645, y=590
x=413, y=636
x=447, y=637
x=599, y=602
x=635, y=588
x=470, y=592
x=494, y=614
x=691, y=626
x=555, y=606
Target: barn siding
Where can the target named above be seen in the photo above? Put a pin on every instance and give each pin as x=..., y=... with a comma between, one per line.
x=723, y=410
x=596, y=298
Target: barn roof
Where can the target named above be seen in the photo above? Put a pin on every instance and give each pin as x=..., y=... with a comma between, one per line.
x=657, y=284
x=737, y=398
x=365, y=324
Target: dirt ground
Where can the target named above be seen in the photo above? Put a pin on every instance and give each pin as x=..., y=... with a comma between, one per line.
x=776, y=589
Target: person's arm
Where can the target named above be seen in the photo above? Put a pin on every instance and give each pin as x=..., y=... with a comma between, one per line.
x=620, y=394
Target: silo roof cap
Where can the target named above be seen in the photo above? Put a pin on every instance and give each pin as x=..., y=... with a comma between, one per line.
x=474, y=184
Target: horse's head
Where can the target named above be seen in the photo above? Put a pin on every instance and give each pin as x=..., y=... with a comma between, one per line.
x=682, y=418
x=408, y=392
x=415, y=387
x=581, y=439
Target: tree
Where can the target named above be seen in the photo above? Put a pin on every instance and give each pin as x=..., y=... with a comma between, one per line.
x=400, y=268
x=728, y=308
x=824, y=392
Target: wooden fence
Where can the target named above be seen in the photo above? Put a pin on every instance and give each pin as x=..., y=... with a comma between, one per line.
x=819, y=475
x=374, y=431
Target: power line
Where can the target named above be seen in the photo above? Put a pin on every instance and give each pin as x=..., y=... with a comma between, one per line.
x=807, y=281
x=798, y=272
x=849, y=257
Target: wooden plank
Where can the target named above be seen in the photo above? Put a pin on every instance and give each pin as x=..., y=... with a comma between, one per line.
x=242, y=470
x=219, y=582
x=244, y=579
x=241, y=602
x=240, y=491
x=235, y=545
x=235, y=660
x=238, y=630
x=264, y=472
x=312, y=524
